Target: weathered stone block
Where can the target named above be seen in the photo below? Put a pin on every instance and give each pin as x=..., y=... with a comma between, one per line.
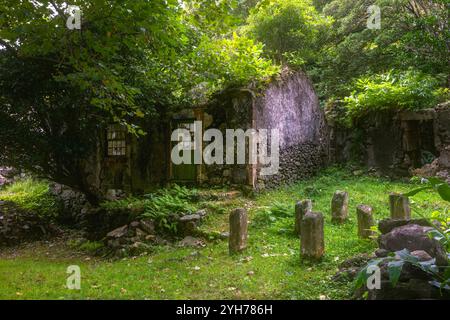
x=312, y=235
x=238, y=231
x=399, y=206
x=187, y=225
x=339, y=207
x=301, y=208
x=365, y=221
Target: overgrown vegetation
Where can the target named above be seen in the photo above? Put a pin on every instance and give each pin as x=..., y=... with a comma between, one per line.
x=142, y=59
x=160, y=206
x=441, y=233
x=270, y=268
x=291, y=30
x=392, y=91
x=32, y=195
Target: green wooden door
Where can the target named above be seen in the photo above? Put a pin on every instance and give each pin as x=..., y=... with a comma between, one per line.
x=185, y=172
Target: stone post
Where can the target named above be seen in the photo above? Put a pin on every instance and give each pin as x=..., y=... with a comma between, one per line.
x=312, y=236
x=365, y=221
x=238, y=231
x=399, y=206
x=339, y=207
x=301, y=208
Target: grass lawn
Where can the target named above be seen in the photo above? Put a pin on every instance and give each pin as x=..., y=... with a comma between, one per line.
x=270, y=268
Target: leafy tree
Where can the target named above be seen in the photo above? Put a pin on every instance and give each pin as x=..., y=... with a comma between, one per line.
x=290, y=29
x=131, y=60
x=58, y=87
x=413, y=34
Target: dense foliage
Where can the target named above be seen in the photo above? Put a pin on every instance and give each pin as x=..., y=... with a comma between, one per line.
x=33, y=196
x=290, y=29
x=137, y=59
x=409, y=90
x=413, y=34
x=234, y=61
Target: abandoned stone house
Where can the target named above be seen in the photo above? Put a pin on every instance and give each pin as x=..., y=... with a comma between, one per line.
x=124, y=162
x=396, y=142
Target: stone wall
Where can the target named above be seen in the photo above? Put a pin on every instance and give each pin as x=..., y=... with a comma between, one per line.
x=231, y=109
x=291, y=106
x=396, y=143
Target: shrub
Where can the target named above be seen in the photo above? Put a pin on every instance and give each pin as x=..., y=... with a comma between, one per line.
x=410, y=90
x=233, y=61
x=32, y=195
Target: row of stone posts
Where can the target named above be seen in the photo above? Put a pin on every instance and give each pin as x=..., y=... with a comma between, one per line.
x=309, y=225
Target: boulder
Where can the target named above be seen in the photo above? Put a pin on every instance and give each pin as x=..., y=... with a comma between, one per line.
x=381, y=253
x=118, y=233
x=387, y=225
x=148, y=226
x=190, y=218
x=421, y=255
x=413, y=237
x=412, y=289
x=187, y=225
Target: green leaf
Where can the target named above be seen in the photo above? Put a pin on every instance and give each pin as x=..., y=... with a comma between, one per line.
x=406, y=256
x=395, y=270
x=444, y=191
x=416, y=191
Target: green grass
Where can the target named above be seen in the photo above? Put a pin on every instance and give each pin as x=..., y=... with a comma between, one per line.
x=39, y=271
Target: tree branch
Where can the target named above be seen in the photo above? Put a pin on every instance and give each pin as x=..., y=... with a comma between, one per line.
x=58, y=9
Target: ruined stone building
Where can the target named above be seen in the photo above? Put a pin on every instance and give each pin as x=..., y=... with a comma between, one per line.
x=124, y=162
x=392, y=142
x=398, y=142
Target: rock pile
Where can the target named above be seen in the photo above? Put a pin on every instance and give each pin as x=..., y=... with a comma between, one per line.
x=413, y=283
x=139, y=236
x=6, y=175
x=18, y=225
x=413, y=237
x=74, y=204
x=133, y=238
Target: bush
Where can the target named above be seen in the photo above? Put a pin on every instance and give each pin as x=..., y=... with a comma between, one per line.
x=227, y=62
x=410, y=90
x=32, y=195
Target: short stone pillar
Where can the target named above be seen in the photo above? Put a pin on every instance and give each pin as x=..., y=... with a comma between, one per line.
x=312, y=244
x=365, y=221
x=339, y=207
x=301, y=208
x=399, y=206
x=238, y=231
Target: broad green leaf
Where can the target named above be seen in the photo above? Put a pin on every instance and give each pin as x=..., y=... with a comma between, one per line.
x=444, y=191
x=395, y=270
x=416, y=191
